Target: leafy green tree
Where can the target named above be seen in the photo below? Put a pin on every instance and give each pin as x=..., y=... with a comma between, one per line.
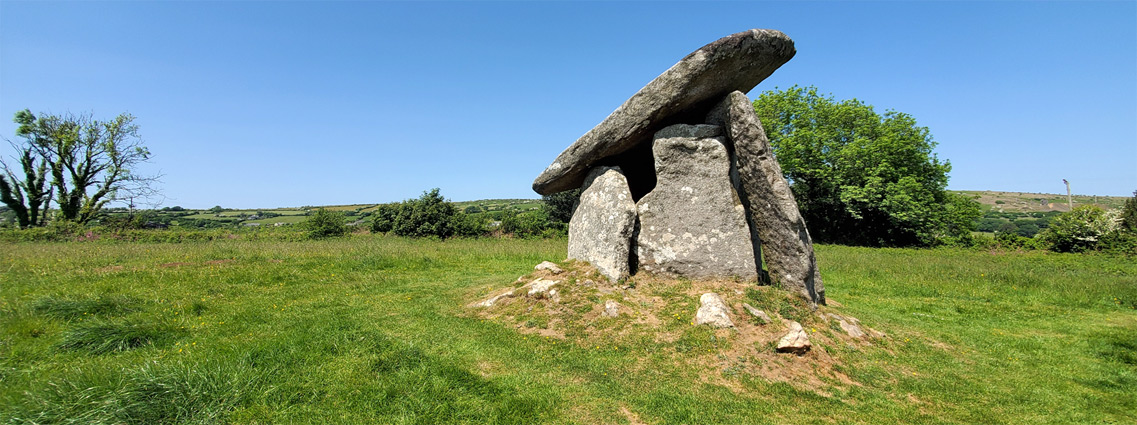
x=324, y=223
x=559, y=205
x=91, y=162
x=859, y=177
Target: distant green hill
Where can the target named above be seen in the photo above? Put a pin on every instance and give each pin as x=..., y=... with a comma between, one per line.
x=1037, y=202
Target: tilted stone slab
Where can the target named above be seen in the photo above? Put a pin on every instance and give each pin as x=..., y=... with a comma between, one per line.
x=693, y=224
x=600, y=231
x=786, y=246
x=688, y=89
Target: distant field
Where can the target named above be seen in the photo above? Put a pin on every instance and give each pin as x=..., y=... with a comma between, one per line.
x=1018, y=208
x=369, y=329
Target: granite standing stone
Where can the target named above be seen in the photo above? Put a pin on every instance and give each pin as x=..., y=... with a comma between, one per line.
x=687, y=90
x=600, y=231
x=786, y=246
x=693, y=224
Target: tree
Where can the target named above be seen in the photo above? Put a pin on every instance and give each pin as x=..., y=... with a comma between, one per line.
x=1129, y=214
x=559, y=205
x=29, y=197
x=862, y=178
x=91, y=163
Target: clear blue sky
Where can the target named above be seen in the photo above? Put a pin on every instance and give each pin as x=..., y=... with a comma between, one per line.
x=266, y=104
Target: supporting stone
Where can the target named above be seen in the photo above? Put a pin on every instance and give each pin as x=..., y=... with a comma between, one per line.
x=786, y=246
x=601, y=228
x=693, y=224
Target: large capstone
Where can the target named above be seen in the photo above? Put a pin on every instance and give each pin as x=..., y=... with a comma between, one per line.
x=693, y=223
x=786, y=246
x=683, y=93
x=600, y=231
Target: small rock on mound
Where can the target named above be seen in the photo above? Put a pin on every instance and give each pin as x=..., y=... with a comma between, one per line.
x=796, y=341
x=489, y=302
x=548, y=266
x=611, y=308
x=713, y=311
x=849, y=324
x=542, y=288
x=761, y=315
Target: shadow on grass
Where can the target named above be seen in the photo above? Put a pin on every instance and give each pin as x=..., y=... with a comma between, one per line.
x=296, y=377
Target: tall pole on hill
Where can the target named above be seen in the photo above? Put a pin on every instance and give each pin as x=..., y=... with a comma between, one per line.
x=1069, y=199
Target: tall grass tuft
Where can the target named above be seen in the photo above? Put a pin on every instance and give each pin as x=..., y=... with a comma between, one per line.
x=100, y=337
x=177, y=393
x=66, y=308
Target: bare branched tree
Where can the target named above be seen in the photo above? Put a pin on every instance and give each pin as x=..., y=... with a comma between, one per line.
x=91, y=163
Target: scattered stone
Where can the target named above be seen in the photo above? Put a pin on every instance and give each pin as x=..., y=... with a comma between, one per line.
x=852, y=329
x=849, y=324
x=796, y=341
x=689, y=88
x=693, y=224
x=713, y=311
x=601, y=228
x=489, y=302
x=549, y=266
x=540, y=288
x=611, y=308
x=761, y=315
x=786, y=246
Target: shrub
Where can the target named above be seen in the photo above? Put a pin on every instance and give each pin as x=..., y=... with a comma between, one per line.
x=467, y=225
x=1081, y=229
x=324, y=223
x=384, y=218
x=1011, y=240
x=429, y=215
x=530, y=223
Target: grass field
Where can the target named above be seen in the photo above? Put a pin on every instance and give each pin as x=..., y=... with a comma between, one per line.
x=369, y=329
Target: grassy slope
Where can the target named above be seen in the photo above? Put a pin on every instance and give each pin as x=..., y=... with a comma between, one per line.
x=1038, y=202
x=369, y=329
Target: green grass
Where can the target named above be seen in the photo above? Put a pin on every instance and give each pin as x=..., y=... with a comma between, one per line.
x=368, y=329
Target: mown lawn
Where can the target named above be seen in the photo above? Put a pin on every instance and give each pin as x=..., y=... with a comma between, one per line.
x=376, y=330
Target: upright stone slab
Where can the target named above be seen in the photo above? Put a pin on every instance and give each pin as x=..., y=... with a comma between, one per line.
x=786, y=245
x=693, y=224
x=683, y=93
x=600, y=231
